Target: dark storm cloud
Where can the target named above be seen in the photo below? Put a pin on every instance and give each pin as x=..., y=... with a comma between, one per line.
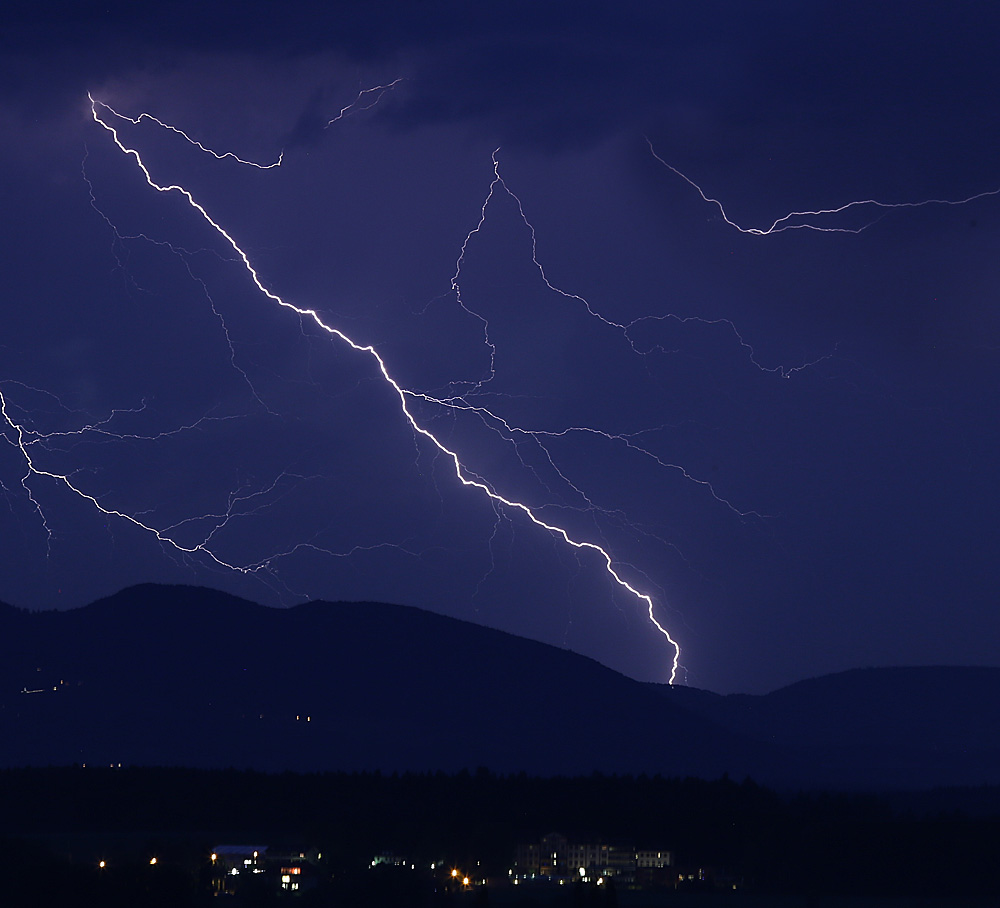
x=561, y=74
x=311, y=124
x=552, y=73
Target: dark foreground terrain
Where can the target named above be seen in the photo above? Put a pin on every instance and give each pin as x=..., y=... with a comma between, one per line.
x=394, y=840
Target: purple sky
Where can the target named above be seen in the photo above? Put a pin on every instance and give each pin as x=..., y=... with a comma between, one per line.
x=785, y=521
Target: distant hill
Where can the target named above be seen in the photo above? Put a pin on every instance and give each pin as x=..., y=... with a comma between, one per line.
x=874, y=727
x=175, y=675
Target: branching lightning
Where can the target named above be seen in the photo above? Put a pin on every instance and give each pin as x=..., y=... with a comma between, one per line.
x=18, y=433
x=789, y=221
x=376, y=90
x=461, y=396
x=136, y=121
x=625, y=329
x=200, y=539
x=27, y=440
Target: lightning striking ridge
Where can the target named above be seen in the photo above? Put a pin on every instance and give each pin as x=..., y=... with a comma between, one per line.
x=784, y=223
x=465, y=476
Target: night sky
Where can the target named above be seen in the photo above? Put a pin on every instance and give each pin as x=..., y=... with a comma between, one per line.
x=789, y=441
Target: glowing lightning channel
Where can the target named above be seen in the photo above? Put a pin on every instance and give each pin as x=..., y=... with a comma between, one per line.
x=623, y=328
x=228, y=154
x=784, y=223
x=493, y=421
x=25, y=439
x=377, y=90
x=464, y=476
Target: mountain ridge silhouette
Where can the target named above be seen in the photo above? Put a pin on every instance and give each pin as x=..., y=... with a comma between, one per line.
x=187, y=676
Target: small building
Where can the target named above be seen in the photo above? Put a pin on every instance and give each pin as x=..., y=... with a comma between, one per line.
x=527, y=860
x=390, y=859
x=289, y=870
x=231, y=864
x=654, y=869
x=657, y=859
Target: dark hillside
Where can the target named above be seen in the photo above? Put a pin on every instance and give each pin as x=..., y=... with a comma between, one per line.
x=875, y=727
x=184, y=676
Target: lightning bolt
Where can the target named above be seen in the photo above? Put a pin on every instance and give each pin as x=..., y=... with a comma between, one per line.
x=136, y=121
x=789, y=222
x=29, y=439
x=26, y=440
x=623, y=328
x=376, y=90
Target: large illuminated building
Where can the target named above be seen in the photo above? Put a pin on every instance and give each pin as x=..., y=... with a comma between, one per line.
x=556, y=857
